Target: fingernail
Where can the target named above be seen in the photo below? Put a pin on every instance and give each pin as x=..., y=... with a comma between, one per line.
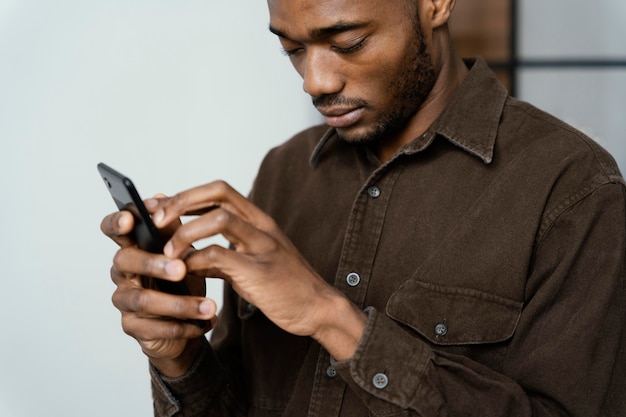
x=168, y=249
x=158, y=216
x=174, y=268
x=206, y=307
x=123, y=221
x=151, y=202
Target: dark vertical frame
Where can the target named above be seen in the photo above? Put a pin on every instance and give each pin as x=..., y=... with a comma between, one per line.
x=515, y=63
x=513, y=46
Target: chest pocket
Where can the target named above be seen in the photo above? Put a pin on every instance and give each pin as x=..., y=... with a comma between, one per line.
x=453, y=315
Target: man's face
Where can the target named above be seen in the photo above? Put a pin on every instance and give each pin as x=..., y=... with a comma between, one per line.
x=364, y=62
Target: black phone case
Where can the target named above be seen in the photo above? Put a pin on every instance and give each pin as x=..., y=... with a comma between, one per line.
x=145, y=232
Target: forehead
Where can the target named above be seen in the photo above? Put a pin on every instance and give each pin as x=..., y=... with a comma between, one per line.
x=299, y=16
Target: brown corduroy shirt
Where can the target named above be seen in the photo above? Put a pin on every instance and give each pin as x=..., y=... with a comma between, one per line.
x=488, y=253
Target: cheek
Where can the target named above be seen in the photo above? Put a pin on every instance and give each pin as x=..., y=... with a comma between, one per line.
x=379, y=68
x=375, y=79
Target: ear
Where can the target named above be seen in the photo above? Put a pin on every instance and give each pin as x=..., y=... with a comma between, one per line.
x=438, y=12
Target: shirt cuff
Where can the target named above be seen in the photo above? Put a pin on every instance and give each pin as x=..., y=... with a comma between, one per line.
x=388, y=367
x=191, y=391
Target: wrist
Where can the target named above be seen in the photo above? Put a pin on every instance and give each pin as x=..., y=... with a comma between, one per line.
x=342, y=327
x=180, y=365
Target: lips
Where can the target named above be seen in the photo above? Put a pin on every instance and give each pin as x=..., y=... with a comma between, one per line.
x=339, y=117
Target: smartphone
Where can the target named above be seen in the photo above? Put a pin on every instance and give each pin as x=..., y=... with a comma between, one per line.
x=145, y=232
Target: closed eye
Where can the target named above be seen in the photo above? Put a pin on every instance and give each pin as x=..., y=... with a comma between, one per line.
x=290, y=52
x=341, y=50
x=352, y=48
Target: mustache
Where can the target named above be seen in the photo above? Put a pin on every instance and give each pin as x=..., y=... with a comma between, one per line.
x=330, y=100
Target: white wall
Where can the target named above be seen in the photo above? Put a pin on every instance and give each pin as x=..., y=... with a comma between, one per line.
x=174, y=94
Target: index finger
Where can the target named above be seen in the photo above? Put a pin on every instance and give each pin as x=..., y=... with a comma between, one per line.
x=209, y=196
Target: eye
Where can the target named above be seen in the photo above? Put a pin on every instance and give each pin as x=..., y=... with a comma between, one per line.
x=290, y=48
x=291, y=52
x=352, y=48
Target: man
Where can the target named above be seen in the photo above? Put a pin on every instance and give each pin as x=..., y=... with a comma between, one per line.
x=436, y=249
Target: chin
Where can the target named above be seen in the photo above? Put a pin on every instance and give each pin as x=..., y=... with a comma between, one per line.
x=358, y=135
x=366, y=135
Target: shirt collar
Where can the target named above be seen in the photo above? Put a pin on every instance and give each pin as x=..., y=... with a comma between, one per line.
x=470, y=121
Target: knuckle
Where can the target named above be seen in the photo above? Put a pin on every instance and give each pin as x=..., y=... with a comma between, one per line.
x=179, y=307
x=272, y=226
x=134, y=300
x=223, y=217
x=272, y=246
x=132, y=326
x=105, y=225
x=119, y=258
x=211, y=254
x=115, y=274
x=127, y=327
x=116, y=300
x=139, y=300
x=147, y=265
x=178, y=202
x=117, y=224
x=122, y=299
x=204, y=260
x=110, y=224
x=176, y=330
x=183, y=234
x=268, y=224
x=220, y=187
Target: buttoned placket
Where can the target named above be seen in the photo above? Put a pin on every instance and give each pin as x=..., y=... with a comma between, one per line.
x=353, y=274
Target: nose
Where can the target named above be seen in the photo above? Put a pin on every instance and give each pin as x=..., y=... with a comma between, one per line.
x=321, y=75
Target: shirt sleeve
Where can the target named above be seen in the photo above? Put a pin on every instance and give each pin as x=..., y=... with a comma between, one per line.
x=201, y=392
x=565, y=357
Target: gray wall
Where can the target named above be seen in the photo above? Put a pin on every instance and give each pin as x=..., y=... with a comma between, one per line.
x=592, y=99
x=175, y=94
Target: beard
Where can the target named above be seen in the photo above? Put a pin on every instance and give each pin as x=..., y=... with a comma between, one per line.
x=407, y=90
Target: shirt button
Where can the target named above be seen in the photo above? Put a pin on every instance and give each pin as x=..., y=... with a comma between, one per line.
x=380, y=381
x=331, y=372
x=373, y=191
x=353, y=279
x=441, y=330
x=250, y=308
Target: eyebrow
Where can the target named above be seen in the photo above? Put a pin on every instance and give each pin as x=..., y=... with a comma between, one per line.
x=324, y=32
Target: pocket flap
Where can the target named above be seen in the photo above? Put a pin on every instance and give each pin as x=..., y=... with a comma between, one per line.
x=454, y=315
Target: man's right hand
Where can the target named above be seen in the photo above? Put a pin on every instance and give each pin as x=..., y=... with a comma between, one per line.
x=158, y=321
